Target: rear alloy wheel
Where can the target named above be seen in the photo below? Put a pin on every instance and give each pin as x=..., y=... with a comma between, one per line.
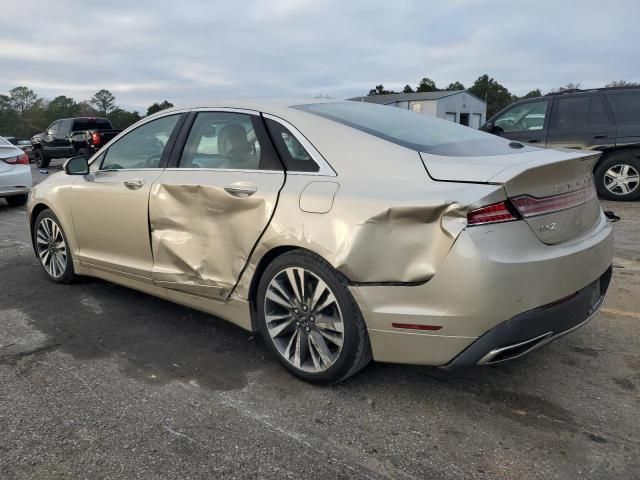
x=41, y=160
x=51, y=247
x=310, y=320
x=618, y=177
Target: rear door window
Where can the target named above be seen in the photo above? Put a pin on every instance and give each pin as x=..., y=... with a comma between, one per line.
x=293, y=154
x=626, y=106
x=578, y=113
x=228, y=141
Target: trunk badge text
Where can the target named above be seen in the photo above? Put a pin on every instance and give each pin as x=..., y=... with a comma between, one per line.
x=547, y=227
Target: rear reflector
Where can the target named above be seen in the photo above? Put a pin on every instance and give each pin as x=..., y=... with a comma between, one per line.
x=494, y=213
x=530, y=206
x=413, y=326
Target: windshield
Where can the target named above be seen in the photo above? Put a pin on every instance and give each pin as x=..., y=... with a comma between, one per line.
x=418, y=131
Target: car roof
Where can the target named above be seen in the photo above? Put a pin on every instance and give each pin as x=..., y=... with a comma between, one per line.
x=273, y=106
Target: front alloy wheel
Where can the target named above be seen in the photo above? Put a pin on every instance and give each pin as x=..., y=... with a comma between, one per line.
x=51, y=247
x=310, y=320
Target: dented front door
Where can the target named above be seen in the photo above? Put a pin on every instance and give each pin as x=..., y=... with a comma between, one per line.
x=207, y=211
x=204, y=225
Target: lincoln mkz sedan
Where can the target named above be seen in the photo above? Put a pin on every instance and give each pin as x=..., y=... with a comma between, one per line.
x=342, y=231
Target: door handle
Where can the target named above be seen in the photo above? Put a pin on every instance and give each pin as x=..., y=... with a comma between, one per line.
x=241, y=189
x=601, y=136
x=533, y=140
x=134, y=184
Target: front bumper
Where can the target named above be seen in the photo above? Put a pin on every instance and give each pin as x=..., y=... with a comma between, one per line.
x=530, y=330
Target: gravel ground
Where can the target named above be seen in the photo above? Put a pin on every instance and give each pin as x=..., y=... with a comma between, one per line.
x=98, y=381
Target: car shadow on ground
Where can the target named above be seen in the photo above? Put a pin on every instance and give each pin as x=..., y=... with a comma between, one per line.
x=157, y=342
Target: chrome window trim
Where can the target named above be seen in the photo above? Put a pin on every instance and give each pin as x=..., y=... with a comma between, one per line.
x=239, y=170
x=325, y=169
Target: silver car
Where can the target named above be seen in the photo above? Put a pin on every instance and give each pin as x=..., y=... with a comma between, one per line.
x=342, y=231
x=15, y=174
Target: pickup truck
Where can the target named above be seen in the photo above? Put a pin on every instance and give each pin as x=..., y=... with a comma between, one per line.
x=69, y=137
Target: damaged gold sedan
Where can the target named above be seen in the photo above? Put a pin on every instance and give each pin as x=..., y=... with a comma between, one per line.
x=343, y=231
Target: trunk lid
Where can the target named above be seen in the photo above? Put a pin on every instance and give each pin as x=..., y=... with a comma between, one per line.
x=552, y=189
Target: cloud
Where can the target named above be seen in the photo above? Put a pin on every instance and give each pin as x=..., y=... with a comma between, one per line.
x=147, y=51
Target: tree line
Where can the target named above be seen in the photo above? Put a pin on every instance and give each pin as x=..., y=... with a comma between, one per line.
x=488, y=89
x=23, y=113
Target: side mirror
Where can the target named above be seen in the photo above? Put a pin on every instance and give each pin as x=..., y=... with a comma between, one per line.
x=488, y=127
x=76, y=166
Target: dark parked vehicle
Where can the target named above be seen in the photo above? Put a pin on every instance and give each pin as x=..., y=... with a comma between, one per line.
x=605, y=119
x=23, y=144
x=71, y=137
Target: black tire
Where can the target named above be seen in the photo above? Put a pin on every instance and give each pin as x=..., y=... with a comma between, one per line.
x=17, y=200
x=40, y=158
x=614, y=162
x=68, y=273
x=355, y=352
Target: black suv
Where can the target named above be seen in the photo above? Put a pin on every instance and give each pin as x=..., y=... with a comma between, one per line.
x=70, y=137
x=605, y=119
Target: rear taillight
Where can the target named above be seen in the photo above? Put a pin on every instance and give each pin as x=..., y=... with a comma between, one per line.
x=95, y=138
x=530, y=206
x=494, y=213
x=19, y=160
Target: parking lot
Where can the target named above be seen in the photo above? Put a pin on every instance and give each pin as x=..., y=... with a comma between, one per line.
x=98, y=381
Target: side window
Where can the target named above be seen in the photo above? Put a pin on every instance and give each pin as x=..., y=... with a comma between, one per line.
x=53, y=129
x=228, y=140
x=526, y=117
x=571, y=113
x=291, y=151
x=597, y=113
x=142, y=147
x=65, y=128
x=626, y=107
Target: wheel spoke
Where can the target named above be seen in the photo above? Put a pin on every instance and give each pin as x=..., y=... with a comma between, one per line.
x=287, y=351
x=274, y=297
x=328, y=301
x=332, y=337
x=298, y=290
x=315, y=358
x=321, y=287
x=321, y=347
x=278, y=329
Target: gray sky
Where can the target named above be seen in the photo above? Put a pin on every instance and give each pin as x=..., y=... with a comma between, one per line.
x=187, y=51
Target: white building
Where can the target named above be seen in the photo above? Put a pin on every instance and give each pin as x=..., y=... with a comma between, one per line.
x=458, y=106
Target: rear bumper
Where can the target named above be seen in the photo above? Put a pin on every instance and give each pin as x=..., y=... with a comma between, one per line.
x=530, y=330
x=16, y=181
x=491, y=276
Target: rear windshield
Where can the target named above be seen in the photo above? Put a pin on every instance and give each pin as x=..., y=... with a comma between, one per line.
x=416, y=131
x=91, y=124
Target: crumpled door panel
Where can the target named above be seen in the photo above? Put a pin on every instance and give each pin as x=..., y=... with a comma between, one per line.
x=201, y=235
